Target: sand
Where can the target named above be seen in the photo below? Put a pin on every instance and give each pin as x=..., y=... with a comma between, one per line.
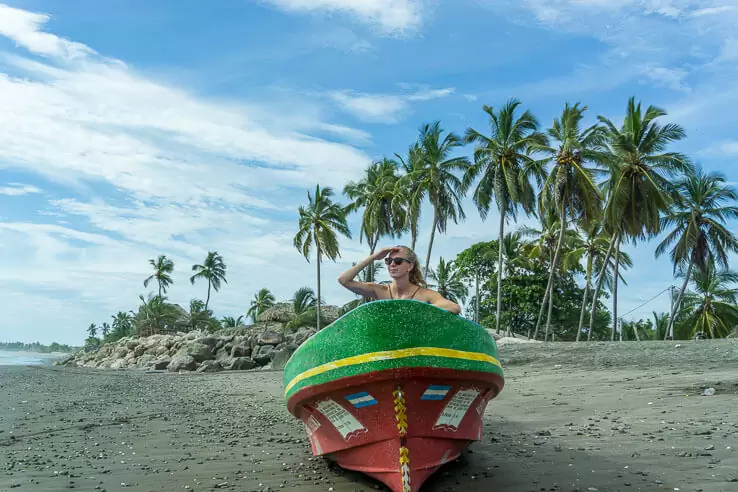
x=606, y=416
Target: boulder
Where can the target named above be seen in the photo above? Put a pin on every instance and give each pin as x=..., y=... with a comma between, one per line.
x=161, y=364
x=270, y=338
x=241, y=364
x=240, y=351
x=263, y=355
x=199, y=351
x=210, y=366
x=186, y=362
x=280, y=357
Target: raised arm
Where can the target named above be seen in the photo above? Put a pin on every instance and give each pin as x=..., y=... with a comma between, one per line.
x=366, y=289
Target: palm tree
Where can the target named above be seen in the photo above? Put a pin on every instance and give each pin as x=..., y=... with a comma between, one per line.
x=92, y=330
x=163, y=267
x=317, y=227
x=504, y=162
x=639, y=190
x=449, y=281
x=105, y=329
x=122, y=325
x=199, y=316
x=263, y=300
x=383, y=214
x=698, y=215
x=713, y=303
x=213, y=270
x=570, y=188
x=231, y=322
x=154, y=316
x=435, y=178
x=408, y=192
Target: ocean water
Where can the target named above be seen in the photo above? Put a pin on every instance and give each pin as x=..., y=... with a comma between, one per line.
x=27, y=358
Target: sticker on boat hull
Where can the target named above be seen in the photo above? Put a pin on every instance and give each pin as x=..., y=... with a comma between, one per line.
x=435, y=392
x=342, y=420
x=311, y=425
x=361, y=400
x=456, y=408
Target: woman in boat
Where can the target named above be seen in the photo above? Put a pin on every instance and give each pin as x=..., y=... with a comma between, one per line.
x=407, y=279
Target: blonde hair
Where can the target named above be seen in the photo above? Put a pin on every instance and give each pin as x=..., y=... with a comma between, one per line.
x=416, y=274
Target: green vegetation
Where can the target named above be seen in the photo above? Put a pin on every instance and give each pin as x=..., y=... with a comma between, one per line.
x=37, y=347
x=593, y=188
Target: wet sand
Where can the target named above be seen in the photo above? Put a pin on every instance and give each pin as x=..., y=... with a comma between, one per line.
x=606, y=417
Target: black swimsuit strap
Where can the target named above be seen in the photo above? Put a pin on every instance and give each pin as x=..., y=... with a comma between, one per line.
x=411, y=297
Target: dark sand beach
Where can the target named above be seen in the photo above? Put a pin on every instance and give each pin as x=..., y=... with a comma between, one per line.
x=605, y=416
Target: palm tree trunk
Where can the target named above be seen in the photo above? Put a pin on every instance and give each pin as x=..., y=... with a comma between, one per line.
x=596, y=295
x=207, y=301
x=430, y=243
x=540, y=311
x=615, y=290
x=584, y=297
x=317, y=302
x=499, y=267
x=476, y=298
x=159, y=289
x=554, y=263
x=670, y=328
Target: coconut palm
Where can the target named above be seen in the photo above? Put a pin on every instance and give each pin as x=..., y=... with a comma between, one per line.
x=318, y=226
x=231, y=322
x=122, y=325
x=383, y=213
x=199, y=316
x=409, y=193
x=503, y=161
x=570, y=187
x=698, y=214
x=448, y=281
x=638, y=186
x=154, y=316
x=263, y=300
x=92, y=330
x=163, y=267
x=213, y=270
x=712, y=304
x=303, y=300
x=105, y=330
x=434, y=177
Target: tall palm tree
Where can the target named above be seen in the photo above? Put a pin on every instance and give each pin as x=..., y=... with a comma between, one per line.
x=570, y=188
x=448, y=281
x=105, y=330
x=713, y=303
x=698, y=214
x=92, y=330
x=435, y=178
x=504, y=161
x=163, y=267
x=122, y=325
x=638, y=187
x=263, y=300
x=318, y=225
x=213, y=270
x=383, y=213
x=409, y=193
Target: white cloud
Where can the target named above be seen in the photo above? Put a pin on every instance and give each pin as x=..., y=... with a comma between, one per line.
x=392, y=16
x=383, y=108
x=24, y=28
x=17, y=189
x=148, y=168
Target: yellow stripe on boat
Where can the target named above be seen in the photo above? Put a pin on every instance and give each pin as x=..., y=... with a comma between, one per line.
x=390, y=355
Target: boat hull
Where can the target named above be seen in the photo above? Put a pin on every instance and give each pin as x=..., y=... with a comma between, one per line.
x=398, y=426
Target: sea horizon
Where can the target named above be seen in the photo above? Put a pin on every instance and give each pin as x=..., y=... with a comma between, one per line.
x=23, y=358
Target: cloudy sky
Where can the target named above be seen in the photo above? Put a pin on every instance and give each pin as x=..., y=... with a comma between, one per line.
x=131, y=128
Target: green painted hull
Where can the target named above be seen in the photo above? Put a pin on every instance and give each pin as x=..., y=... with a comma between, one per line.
x=392, y=334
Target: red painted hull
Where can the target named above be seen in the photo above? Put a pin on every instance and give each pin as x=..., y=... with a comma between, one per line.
x=399, y=431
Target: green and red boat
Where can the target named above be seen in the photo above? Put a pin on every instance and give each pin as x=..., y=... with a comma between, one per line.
x=394, y=389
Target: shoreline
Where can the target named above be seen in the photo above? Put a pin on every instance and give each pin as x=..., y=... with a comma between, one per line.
x=560, y=423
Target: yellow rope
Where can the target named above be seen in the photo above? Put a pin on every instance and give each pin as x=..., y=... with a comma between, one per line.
x=401, y=416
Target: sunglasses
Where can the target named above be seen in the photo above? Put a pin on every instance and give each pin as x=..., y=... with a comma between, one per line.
x=396, y=260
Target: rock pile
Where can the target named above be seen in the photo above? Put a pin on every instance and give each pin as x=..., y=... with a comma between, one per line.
x=266, y=344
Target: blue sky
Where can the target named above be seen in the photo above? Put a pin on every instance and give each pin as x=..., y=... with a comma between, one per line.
x=178, y=127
